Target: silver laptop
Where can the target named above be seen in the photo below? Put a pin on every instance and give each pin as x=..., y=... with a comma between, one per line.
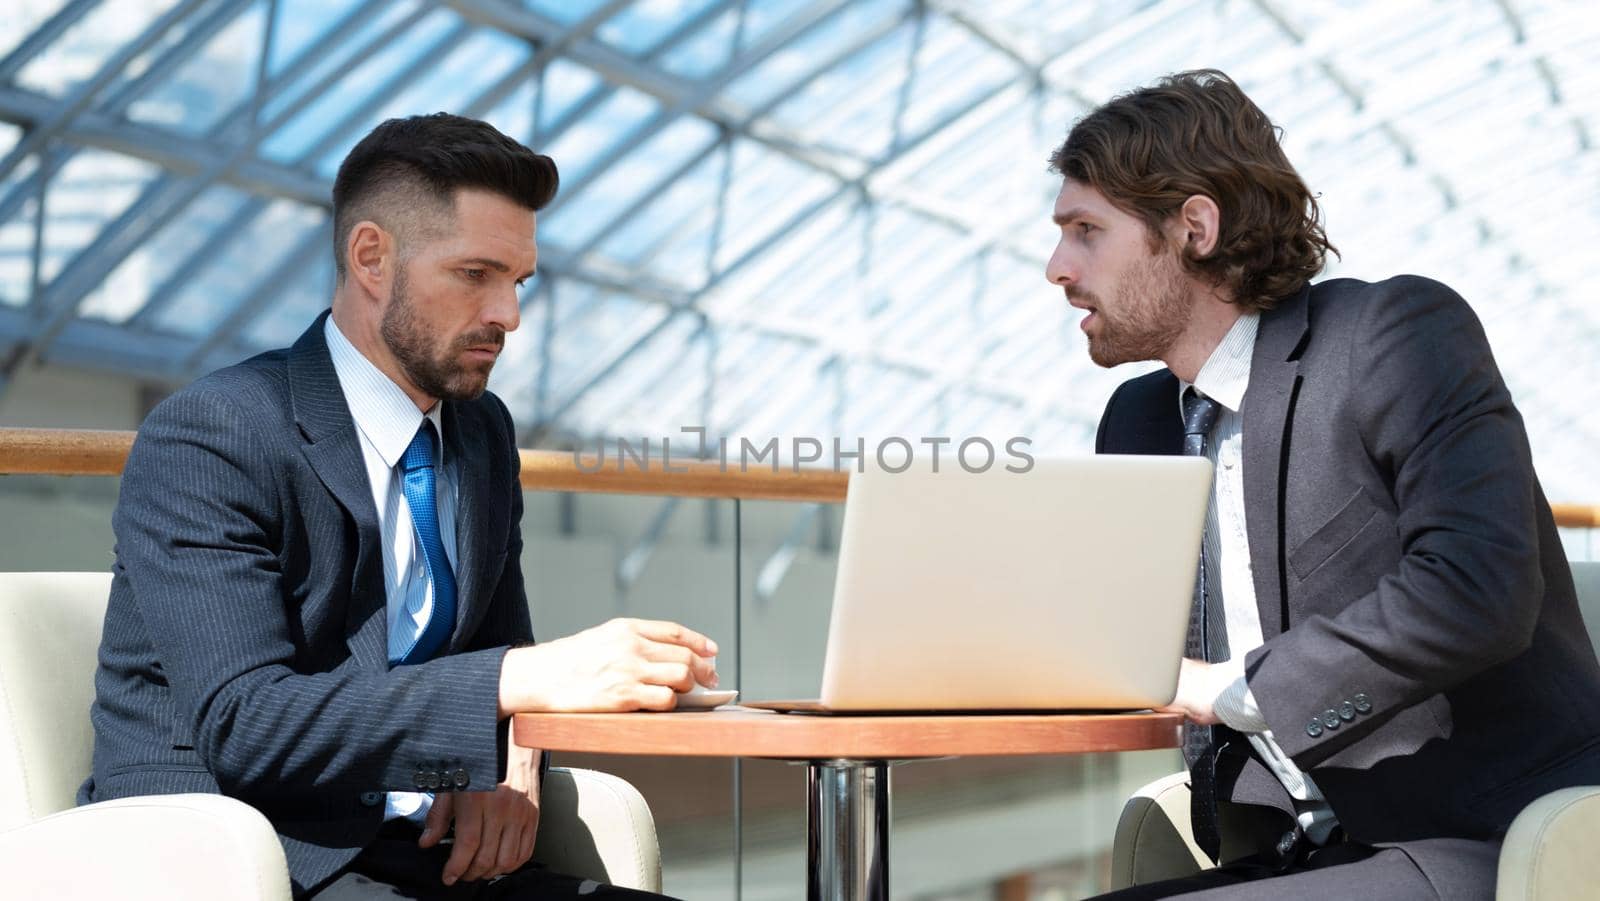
x=1066, y=587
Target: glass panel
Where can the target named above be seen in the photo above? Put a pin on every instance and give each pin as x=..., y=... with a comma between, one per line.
x=291, y=312
x=86, y=46
x=565, y=85
x=156, y=260
x=768, y=191
x=221, y=75
x=783, y=68
x=292, y=84
x=567, y=12
x=303, y=132
x=707, y=51
x=299, y=24
x=92, y=189
x=514, y=115
x=580, y=217
x=644, y=23
x=55, y=524
x=585, y=143
x=216, y=289
x=22, y=18
x=594, y=329
x=16, y=255
x=450, y=84
x=688, y=198
x=588, y=558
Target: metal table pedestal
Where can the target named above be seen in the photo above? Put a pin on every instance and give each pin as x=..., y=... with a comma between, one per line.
x=847, y=830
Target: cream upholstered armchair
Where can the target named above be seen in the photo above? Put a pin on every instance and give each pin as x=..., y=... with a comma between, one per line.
x=195, y=846
x=1548, y=855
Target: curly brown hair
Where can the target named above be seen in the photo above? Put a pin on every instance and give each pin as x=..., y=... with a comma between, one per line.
x=1192, y=133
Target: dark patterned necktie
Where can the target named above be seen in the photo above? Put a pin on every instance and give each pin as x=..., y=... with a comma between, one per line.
x=1207, y=640
x=418, y=484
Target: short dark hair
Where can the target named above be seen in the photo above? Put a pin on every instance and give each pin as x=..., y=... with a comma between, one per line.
x=1192, y=133
x=412, y=167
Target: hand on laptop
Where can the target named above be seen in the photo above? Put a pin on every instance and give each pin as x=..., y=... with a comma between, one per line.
x=1196, y=693
x=625, y=664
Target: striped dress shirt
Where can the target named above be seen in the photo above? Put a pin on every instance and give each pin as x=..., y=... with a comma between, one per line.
x=1229, y=579
x=387, y=421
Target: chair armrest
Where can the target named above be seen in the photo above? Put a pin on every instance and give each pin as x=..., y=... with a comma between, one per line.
x=597, y=826
x=1154, y=840
x=152, y=847
x=1549, y=850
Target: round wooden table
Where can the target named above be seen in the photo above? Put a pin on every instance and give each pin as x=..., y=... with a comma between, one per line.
x=848, y=758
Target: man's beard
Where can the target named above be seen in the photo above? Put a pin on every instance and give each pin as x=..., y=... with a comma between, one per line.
x=1152, y=309
x=438, y=374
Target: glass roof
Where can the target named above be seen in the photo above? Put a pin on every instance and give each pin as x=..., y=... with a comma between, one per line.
x=778, y=217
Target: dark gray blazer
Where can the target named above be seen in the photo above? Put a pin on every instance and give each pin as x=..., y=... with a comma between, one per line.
x=1424, y=659
x=245, y=646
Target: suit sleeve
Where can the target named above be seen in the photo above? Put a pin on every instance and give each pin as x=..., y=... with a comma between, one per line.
x=198, y=525
x=1436, y=418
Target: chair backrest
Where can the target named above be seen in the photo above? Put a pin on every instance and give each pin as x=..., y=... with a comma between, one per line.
x=1586, y=578
x=49, y=637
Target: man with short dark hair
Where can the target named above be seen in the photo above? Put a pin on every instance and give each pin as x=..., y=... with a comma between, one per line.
x=1386, y=661
x=317, y=604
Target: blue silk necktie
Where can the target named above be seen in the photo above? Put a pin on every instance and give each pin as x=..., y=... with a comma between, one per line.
x=416, y=466
x=1207, y=640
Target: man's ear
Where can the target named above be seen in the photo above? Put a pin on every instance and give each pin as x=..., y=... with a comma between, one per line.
x=1198, y=224
x=370, y=258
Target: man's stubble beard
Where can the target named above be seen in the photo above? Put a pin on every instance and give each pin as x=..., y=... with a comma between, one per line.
x=1152, y=309
x=436, y=374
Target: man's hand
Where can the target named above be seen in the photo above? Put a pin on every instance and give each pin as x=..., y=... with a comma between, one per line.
x=494, y=830
x=1196, y=693
x=625, y=664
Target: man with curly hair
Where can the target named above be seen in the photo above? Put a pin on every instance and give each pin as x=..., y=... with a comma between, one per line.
x=1386, y=661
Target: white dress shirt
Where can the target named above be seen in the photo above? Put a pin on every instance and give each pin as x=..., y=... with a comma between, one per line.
x=1229, y=579
x=387, y=421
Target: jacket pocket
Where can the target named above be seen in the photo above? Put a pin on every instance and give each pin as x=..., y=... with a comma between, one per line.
x=1341, y=529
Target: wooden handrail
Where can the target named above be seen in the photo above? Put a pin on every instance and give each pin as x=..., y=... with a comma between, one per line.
x=84, y=452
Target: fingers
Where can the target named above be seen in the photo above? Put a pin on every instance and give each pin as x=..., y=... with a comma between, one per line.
x=489, y=841
x=469, y=835
x=437, y=823
x=508, y=857
x=702, y=669
x=529, y=835
x=675, y=676
x=673, y=633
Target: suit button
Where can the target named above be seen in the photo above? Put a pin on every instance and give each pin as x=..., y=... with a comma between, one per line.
x=420, y=780
x=1315, y=729
x=462, y=779
x=1330, y=718
x=371, y=799
x=1347, y=711
x=433, y=780
x=1363, y=703
x=1286, y=844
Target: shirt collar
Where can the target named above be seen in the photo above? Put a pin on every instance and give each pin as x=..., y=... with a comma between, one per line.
x=381, y=409
x=1226, y=373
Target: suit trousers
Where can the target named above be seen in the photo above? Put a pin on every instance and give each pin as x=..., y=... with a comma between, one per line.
x=393, y=867
x=1349, y=870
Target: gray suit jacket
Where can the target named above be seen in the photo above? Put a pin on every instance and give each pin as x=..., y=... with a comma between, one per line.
x=1424, y=658
x=245, y=646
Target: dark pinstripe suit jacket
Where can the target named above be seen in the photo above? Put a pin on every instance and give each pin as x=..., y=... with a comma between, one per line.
x=244, y=649
x=1405, y=563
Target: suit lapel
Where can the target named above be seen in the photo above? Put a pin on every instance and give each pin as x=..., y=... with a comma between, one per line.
x=1268, y=409
x=334, y=451
x=477, y=514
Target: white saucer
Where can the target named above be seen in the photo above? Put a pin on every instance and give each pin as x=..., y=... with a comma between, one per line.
x=706, y=700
